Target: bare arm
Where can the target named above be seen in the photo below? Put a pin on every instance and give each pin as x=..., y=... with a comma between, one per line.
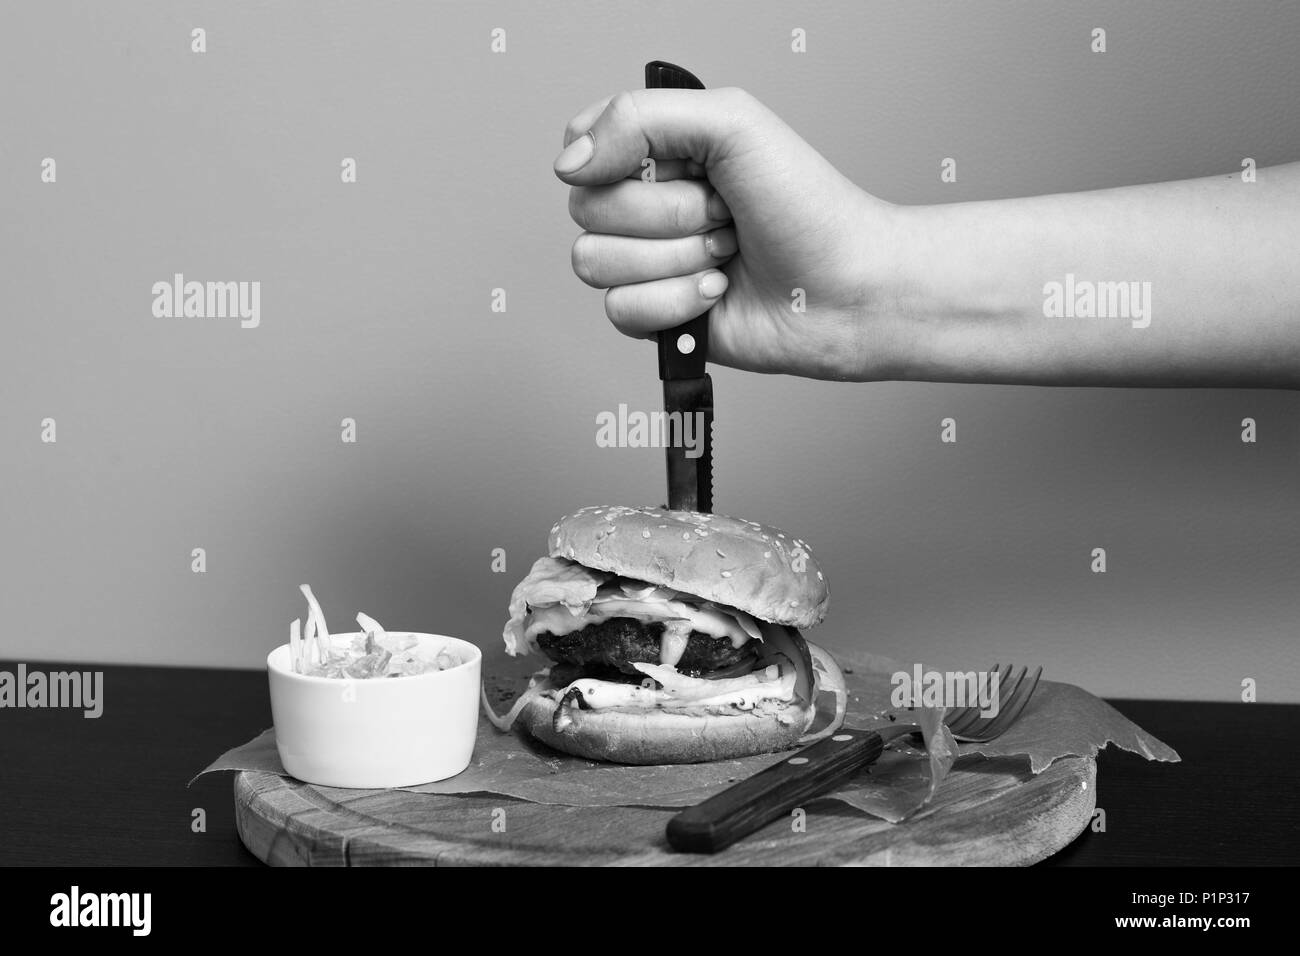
x=1205, y=274
x=1193, y=283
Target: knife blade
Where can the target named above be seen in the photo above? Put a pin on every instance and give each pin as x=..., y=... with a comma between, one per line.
x=683, y=353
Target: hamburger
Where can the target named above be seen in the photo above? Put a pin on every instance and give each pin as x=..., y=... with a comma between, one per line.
x=672, y=637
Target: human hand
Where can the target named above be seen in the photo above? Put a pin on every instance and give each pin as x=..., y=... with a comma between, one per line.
x=740, y=214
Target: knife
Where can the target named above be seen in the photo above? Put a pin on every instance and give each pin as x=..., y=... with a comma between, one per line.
x=683, y=352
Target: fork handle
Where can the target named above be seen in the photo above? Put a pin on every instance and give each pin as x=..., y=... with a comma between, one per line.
x=753, y=803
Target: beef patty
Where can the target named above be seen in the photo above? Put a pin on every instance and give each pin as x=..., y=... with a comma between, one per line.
x=620, y=642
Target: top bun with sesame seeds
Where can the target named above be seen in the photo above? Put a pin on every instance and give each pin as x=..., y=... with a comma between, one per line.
x=743, y=564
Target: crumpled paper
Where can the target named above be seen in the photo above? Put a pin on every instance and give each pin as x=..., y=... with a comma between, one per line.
x=1061, y=720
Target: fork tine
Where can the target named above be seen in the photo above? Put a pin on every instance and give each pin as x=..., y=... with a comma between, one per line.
x=1006, y=692
x=1022, y=700
x=958, y=720
x=961, y=720
x=1015, y=705
x=1008, y=695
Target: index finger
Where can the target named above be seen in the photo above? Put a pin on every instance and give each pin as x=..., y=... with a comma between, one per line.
x=661, y=124
x=586, y=116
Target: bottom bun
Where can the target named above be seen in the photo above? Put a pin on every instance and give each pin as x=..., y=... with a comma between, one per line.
x=660, y=736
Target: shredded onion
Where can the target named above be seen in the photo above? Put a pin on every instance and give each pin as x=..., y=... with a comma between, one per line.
x=322, y=632
x=370, y=625
x=812, y=703
x=535, y=687
x=682, y=689
x=747, y=623
x=637, y=590
x=827, y=676
x=309, y=642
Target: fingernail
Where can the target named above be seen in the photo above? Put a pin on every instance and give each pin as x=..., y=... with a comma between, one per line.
x=576, y=154
x=712, y=284
x=720, y=243
x=717, y=209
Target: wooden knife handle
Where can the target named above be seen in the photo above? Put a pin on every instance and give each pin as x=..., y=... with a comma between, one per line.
x=755, y=802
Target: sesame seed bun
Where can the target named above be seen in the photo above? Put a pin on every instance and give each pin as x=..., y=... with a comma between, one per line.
x=744, y=564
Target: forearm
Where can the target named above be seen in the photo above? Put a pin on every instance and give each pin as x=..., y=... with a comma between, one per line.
x=1193, y=283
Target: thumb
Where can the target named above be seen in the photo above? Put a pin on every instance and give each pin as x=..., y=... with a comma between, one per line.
x=660, y=124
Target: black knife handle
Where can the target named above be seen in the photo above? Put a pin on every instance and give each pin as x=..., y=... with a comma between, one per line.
x=683, y=350
x=662, y=75
x=753, y=803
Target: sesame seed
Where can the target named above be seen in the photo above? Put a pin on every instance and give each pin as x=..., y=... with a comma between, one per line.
x=686, y=536
x=570, y=550
x=767, y=554
x=819, y=576
x=719, y=553
x=726, y=574
x=645, y=532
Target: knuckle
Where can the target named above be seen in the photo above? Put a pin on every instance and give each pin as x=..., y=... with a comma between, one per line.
x=676, y=217
x=617, y=307
x=572, y=130
x=623, y=105
x=737, y=97
x=585, y=257
x=683, y=215
x=694, y=254
x=578, y=206
x=740, y=108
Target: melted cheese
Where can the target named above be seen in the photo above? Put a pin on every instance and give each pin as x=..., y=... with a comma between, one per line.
x=559, y=619
x=677, y=634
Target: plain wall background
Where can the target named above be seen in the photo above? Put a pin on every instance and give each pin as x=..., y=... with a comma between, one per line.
x=476, y=430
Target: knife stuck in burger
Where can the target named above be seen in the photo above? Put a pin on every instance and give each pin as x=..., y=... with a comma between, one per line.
x=672, y=633
x=672, y=637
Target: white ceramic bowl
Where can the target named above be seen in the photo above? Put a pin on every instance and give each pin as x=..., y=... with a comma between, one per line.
x=380, y=732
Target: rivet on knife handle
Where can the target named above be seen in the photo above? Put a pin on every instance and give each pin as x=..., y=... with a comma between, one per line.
x=683, y=351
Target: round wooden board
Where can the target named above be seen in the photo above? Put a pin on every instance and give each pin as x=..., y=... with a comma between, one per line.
x=987, y=813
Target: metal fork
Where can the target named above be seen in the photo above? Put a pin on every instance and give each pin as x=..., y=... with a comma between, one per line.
x=968, y=726
x=756, y=801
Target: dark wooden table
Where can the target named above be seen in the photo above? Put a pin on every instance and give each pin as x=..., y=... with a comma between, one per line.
x=111, y=791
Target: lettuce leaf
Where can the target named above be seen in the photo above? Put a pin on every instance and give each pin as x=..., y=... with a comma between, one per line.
x=550, y=581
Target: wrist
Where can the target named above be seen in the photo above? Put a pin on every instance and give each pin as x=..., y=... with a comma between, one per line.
x=945, y=305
